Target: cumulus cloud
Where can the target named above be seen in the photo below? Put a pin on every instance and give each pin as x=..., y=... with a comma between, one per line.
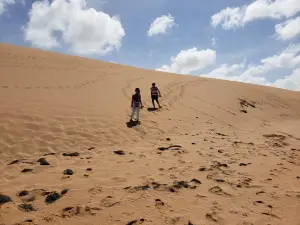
x=187, y=61
x=288, y=29
x=225, y=70
x=5, y=3
x=161, y=25
x=288, y=58
x=214, y=42
x=235, y=17
x=72, y=23
x=291, y=82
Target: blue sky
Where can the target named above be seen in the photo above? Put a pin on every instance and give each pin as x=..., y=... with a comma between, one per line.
x=193, y=29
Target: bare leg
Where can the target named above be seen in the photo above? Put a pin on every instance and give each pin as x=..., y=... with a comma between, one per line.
x=138, y=114
x=153, y=103
x=132, y=114
x=158, y=103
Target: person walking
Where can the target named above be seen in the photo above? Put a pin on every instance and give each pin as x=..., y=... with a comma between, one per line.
x=155, y=93
x=136, y=104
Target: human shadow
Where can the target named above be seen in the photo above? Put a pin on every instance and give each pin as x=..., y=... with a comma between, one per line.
x=132, y=124
x=151, y=109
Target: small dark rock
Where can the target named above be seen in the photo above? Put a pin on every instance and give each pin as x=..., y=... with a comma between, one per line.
x=180, y=184
x=269, y=179
x=26, y=207
x=132, y=222
x=14, y=162
x=23, y=193
x=142, y=188
x=65, y=191
x=298, y=177
x=91, y=148
x=220, y=151
x=220, y=180
x=260, y=202
x=28, y=221
x=43, y=162
x=27, y=170
x=71, y=154
x=243, y=111
x=68, y=172
x=4, y=199
x=54, y=196
x=168, y=139
x=193, y=143
x=52, y=153
x=243, y=164
x=202, y=169
x=89, y=169
x=119, y=152
x=86, y=175
x=196, y=181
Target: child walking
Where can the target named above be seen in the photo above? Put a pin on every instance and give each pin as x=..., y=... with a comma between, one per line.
x=136, y=104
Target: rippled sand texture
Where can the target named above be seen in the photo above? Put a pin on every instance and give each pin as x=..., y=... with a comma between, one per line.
x=217, y=152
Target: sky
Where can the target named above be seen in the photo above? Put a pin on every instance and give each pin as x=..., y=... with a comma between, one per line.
x=252, y=41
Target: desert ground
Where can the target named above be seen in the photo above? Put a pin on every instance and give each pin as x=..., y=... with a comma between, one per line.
x=217, y=152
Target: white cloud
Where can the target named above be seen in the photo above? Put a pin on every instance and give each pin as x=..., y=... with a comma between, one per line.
x=214, y=42
x=291, y=82
x=190, y=60
x=84, y=29
x=161, y=25
x=288, y=29
x=225, y=70
x=231, y=18
x=289, y=58
x=4, y=3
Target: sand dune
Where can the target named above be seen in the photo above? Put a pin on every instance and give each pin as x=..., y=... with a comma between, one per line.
x=217, y=152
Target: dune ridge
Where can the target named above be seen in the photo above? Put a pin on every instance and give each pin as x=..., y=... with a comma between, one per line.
x=218, y=152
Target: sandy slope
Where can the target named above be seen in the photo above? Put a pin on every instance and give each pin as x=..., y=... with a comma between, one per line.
x=246, y=156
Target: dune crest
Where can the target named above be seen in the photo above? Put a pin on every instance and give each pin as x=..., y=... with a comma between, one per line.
x=217, y=152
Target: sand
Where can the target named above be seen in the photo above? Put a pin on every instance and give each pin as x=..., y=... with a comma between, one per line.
x=217, y=152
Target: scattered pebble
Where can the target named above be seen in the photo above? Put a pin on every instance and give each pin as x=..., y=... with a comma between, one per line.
x=71, y=154
x=65, y=191
x=23, y=193
x=202, y=168
x=52, y=153
x=26, y=207
x=14, y=162
x=243, y=164
x=4, y=199
x=68, y=172
x=119, y=152
x=220, y=180
x=220, y=151
x=91, y=148
x=43, y=162
x=89, y=169
x=52, y=197
x=26, y=170
x=168, y=139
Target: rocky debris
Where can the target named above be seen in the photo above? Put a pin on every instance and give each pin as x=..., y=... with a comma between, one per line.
x=159, y=203
x=26, y=170
x=52, y=153
x=72, y=154
x=43, y=162
x=171, y=147
x=14, y=162
x=51, y=198
x=119, y=152
x=68, y=172
x=196, y=181
x=27, y=207
x=4, y=199
x=133, y=222
x=23, y=193
x=65, y=191
x=202, y=168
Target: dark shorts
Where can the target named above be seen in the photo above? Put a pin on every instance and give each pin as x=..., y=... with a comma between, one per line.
x=154, y=97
